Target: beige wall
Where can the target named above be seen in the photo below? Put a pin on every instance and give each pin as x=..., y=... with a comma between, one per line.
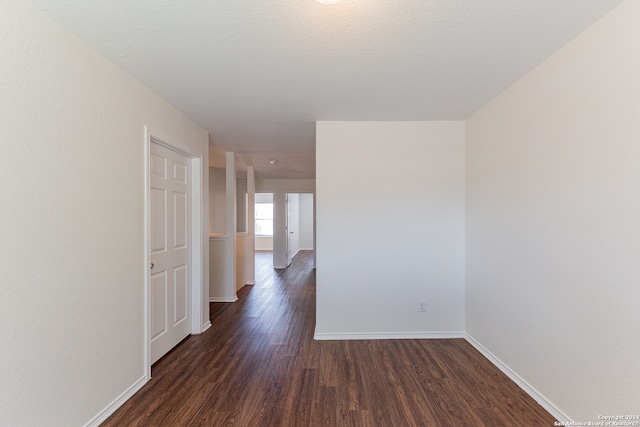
x=553, y=214
x=306, y=222
x=390, y=230
x=264, y=243
x=72, y=221
x=217, y=201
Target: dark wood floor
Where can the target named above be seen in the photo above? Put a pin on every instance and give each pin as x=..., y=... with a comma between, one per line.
x=259, y=365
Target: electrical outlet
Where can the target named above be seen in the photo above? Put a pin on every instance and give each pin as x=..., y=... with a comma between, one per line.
x=422, y=305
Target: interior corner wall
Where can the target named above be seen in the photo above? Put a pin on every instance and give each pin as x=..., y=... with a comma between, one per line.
x=72, y=262
x=553, y=235
x=217, y=201
x=390, y=228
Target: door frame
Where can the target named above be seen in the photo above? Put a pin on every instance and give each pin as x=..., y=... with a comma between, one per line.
x=197, y=247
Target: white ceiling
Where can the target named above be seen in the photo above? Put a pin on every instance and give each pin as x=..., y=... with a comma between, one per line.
x=258, y=74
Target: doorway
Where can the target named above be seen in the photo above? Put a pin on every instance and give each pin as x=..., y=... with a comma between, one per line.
x=299, y=224
x=169, y=248
x=174, y=291
x=284, y=226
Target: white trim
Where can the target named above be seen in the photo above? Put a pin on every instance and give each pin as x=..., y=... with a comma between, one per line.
x=251, y=282
x=319, y=336
x=147, y=254
x=528, y=388
x=197, y=243
x=206, y=326
x=223, y=299
x=118, y=402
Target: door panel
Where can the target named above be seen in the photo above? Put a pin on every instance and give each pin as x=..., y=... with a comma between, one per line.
x=170, y=201
x=180, y=294
x=158, y=203
x=180, y=228
x=158, y=302
x=180, y=173
x=158, y=166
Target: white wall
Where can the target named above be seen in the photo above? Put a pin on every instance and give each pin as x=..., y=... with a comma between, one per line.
x=72, y=221
x=553, y=214
x=306, y=222
x=390, y=228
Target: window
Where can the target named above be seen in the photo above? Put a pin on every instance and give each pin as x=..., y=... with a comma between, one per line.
x=264, y=219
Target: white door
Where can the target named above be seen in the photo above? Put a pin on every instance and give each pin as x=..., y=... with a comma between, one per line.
x=170, y=290
x=289, y=229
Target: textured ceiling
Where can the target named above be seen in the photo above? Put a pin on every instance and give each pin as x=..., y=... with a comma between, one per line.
x=258, y=74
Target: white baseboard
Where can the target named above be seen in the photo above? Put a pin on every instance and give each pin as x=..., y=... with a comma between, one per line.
x=206, y=326
x=251, y=282
x=529, y=389
x=386, y=336
x=224, y=299
x=118, y=402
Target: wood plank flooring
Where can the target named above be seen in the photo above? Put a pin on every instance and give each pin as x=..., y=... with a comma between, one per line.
x=259, y=365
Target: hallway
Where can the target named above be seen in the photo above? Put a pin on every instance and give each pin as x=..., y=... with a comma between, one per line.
x=259, y=366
